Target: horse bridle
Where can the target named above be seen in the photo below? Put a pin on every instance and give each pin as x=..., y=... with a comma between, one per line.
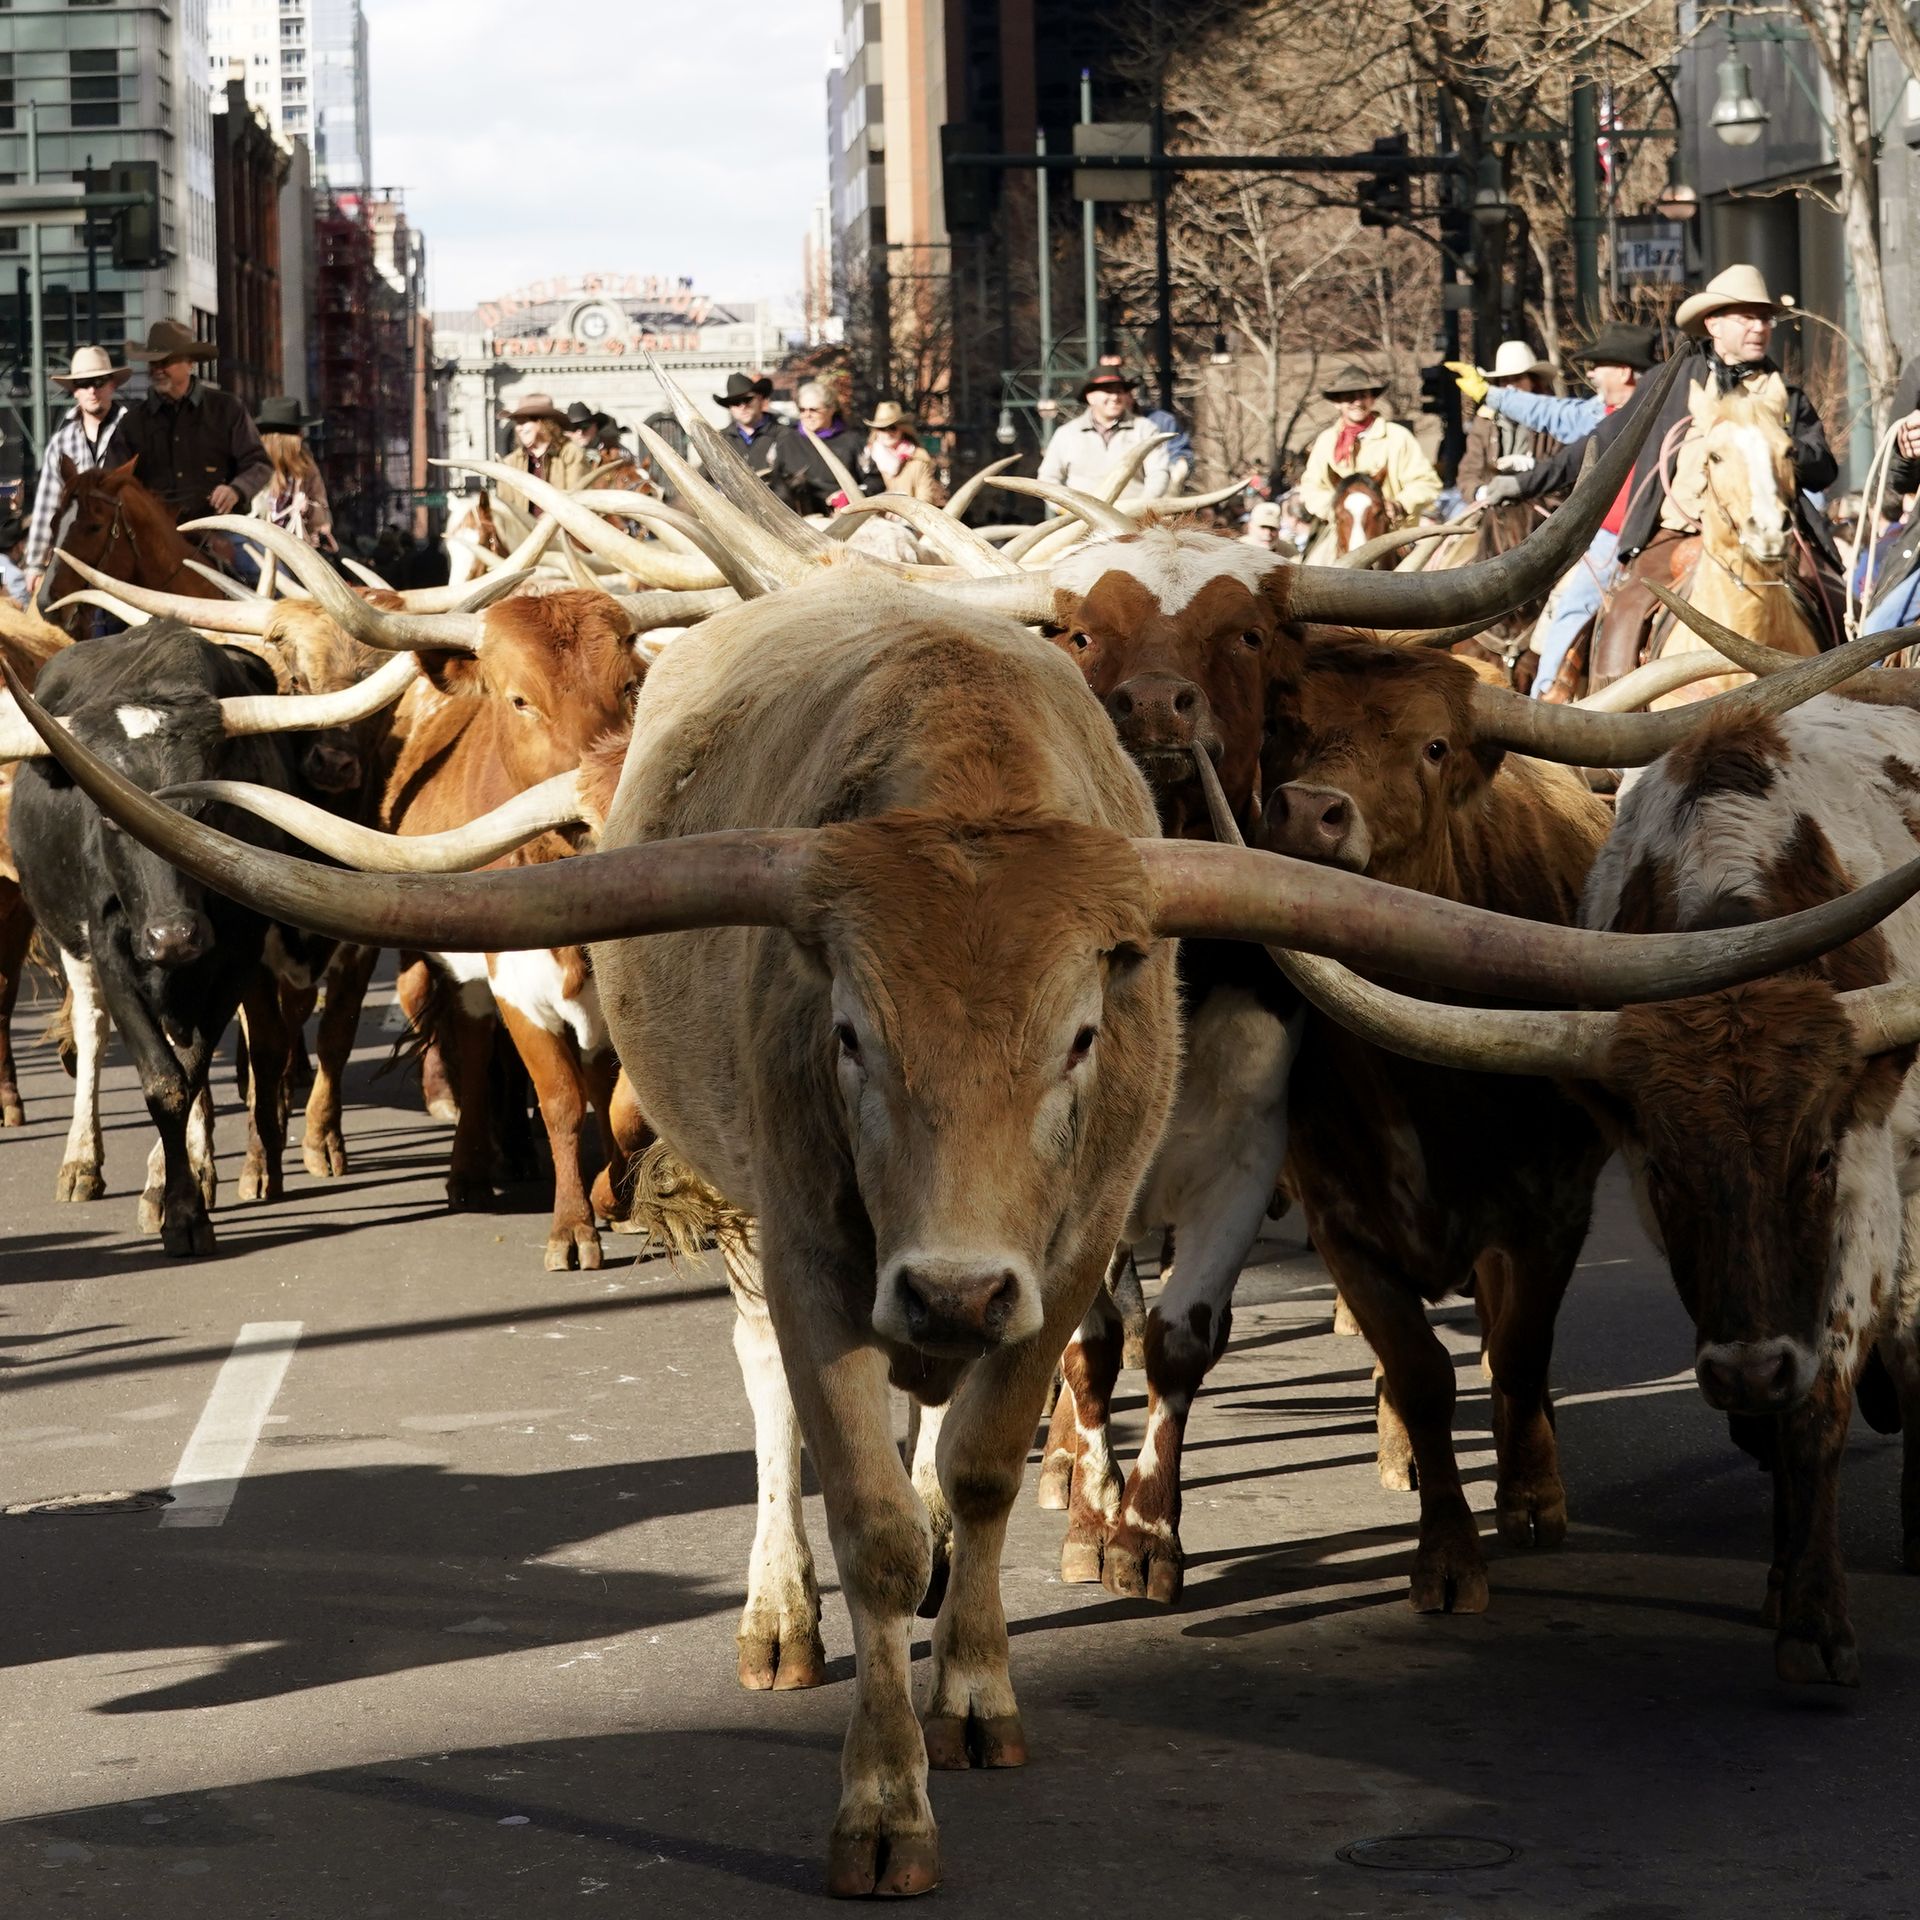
x=118, y=526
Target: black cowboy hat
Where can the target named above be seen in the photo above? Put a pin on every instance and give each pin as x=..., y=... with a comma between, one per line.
x=282, y=414
x=1108, y=380
x=1619, y=345
x=580, y=415
x=739, y=388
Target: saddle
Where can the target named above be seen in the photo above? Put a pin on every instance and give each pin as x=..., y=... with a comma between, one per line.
x=1624, y=632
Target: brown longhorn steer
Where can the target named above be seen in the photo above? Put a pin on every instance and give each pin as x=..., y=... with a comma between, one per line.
x=1417, y=1181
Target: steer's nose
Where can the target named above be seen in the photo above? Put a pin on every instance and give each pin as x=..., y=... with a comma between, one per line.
x=1754, y=1376
x=1311, y=823
x=951, y=1306
x=330, y=768
x=174, y=940
x=1157, y=710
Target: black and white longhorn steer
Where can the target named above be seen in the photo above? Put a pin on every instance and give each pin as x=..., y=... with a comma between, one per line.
x=168, y=960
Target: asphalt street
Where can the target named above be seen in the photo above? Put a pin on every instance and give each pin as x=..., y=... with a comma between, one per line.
x=454, y=1634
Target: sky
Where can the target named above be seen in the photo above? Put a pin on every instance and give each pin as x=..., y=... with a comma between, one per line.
x=543, y=137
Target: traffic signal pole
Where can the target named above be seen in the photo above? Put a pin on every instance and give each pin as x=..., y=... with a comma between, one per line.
x=37, y=342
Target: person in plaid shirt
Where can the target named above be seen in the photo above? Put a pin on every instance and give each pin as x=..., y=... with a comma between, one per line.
x=84, y=438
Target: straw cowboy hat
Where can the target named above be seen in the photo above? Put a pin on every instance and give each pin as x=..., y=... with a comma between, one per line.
x=169, y=340
x=1741, y=286
x=1514, y=359
x=536, y=406
x=90, y=363
x=890, y=413
x=1353, y=378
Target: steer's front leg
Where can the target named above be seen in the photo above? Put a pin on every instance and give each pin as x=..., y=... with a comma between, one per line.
x=883, y=1840
x=1815, y=1641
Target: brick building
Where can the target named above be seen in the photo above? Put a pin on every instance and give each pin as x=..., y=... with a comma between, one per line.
x=250, y=166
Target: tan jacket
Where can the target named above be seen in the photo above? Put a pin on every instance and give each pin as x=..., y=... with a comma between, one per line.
x=567, y=467
x=916, y=477
x=1386, y=449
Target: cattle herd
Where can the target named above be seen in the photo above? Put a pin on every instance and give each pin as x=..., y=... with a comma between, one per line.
x=967, y=924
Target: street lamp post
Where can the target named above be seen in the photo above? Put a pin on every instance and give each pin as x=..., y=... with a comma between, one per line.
x=1738, y=119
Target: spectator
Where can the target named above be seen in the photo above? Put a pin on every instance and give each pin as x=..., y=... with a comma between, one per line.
x=766, y=444
x=895, y=457
x=808, y=482
x=80, y=443
x=296, y=496
x=1085, y=450
x=13, y=543
x=1263, y=526
x=542, y=449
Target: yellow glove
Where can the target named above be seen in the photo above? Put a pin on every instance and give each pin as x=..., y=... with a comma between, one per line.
x=1470, y=380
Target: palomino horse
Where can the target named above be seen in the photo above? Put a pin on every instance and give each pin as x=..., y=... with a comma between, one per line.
x=113, y=523
x=1734, y=475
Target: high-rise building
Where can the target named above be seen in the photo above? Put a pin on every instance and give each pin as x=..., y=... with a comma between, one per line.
x=108, y=83
x=305, y=65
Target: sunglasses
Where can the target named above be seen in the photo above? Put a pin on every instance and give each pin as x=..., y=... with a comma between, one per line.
x=745, y=400
x=81, y=386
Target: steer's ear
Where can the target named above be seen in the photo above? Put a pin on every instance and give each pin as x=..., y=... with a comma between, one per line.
x=453, y=673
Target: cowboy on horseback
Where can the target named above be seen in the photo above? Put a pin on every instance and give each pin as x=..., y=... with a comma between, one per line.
x=1360, y=442
x=79, y=444
x=1730, y=322
x=1497, y=441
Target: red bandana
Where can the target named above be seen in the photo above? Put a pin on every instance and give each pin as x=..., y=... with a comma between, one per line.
x=1346, y=443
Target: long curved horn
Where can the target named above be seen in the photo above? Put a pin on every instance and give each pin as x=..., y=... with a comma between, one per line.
x=694, y=542
x=665, y=886
x=835, y=465
x=372, y=626
x=1383, y=544
x=1750, y=654
x=1208, y=892
x=1644, y=685
x=723, y=471
x=1115, y=483
x=1883, y=1017
x=582, y=516
x=229, y=589
x=979, y=559
x=1170, y=506
x=1341, y=598
x=968, y=491
x=303, y=712
x=1096, y=513
x=757, y=561
x=1550, y=1043
x=657, y=609
x=553, y=803
x=1582, y=737
x=120, y=609
x=365, y=575
x=219, y=616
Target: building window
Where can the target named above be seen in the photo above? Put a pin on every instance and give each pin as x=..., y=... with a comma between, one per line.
x=6, y=92
x=95, y=75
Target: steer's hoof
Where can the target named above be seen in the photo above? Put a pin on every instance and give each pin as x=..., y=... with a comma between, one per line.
x=574, y=1245
x=149, y=1215
x=778, y=1660
x=469, y=1193
x=1138, y=1565
x=863, y=1862
x=80, y=1180
x=1804, y=1661
x=187, y=1236
x=1080, y=1557
x=1449, y=1579
x=325, y=1154
x=12, y=1113
x=1056, y=1481
x=258, y=1182
x=958, y=1741
x=1344, y=1324
x=1537, y=1519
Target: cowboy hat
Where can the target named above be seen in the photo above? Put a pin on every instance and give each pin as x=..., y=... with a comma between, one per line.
x=282, y=414
x=890, y=413
x=580, y=416
x=1739, y=286
x=1619, y=345
x=1351, y=379
x=740, y=388
x=90, y=363
x=536, y=406
x=169, y=340
x=1108, y=380
x=1265, y=514
x=1513, y=359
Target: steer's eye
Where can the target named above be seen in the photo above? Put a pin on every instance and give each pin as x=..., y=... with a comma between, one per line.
x=1251, y=638
x=520, y=703
x=848, y=1039
x=1713, y=459
x=1823, y=1163
x=1082, y=1046
x=1436, y=751
x=1079, y=642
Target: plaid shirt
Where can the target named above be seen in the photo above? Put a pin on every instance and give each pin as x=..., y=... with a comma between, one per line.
x=51, y=496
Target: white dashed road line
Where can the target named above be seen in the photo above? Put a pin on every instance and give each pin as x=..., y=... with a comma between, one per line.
x=209, y=1472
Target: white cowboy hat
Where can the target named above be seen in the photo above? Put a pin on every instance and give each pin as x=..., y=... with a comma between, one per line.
x=1513, y=359
x=89, y=363
x=1741, y=286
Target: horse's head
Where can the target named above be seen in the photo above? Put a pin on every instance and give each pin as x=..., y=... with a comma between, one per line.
x=1747, y=479
x=1361, y=509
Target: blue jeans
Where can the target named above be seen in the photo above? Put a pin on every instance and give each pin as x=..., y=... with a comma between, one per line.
x=1896, y=609
x=1576, y=600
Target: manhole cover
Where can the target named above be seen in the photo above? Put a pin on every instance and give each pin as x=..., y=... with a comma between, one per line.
x=69, y=1503
x=1427, y=1852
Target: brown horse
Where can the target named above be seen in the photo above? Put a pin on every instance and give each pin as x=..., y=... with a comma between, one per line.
x=1361, y=512
x=112, y=522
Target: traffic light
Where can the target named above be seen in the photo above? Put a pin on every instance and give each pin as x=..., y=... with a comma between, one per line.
x=970, y=191
x=137, y=246
x=1386, y=199
x=1438, y=390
